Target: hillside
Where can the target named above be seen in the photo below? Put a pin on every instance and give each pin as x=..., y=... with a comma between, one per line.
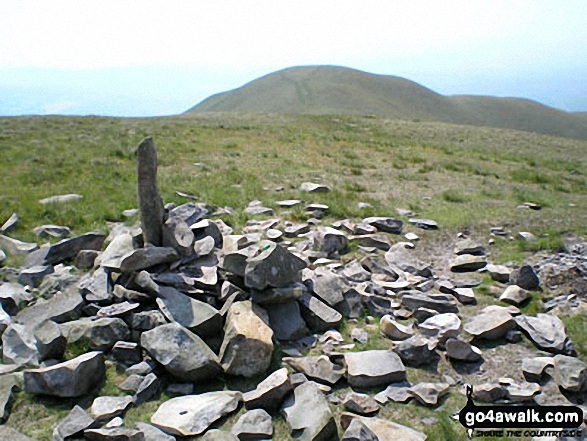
x=329, y=90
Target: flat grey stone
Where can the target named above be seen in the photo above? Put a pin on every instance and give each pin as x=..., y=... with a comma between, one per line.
x=462, y=351
x=16, y=247
x=318, y=315
x=394, y=330
x=10, y=224
x=383, y=429
x=52, y=231
x=467, y=263
x=441, y=326
x=254, y=425
x=273, y=266
x=514, y=295
x=534, y=368
x=416, y=351
x=270, y=392
x=429, y=394
x=491, y=325
x=144, y=258
x=361, y=404
x=358, y=431
x=151, y=433
x=311, y=187
x=105, y=408
x=193, y=414
x=570, y=373
x=62, y=198
x=547, y=331
x=385, y=224
x=73, y=424
x=316, y=367
x=374, y=368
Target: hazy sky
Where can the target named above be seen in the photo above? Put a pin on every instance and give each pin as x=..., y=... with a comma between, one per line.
x=151, y=57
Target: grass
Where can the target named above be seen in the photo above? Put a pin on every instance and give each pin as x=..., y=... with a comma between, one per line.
x=462, y=177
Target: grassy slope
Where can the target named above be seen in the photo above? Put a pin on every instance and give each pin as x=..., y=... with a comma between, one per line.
x=475, y=177
x=338, y=90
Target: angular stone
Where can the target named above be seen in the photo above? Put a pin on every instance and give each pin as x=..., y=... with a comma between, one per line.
x=374, y=368
x=105, y=408
x=491, y=325
x=34, y=275
x=327, y=285
x=330, y=241
x=318, y=367
x=570, y=373
x=547, y=332
x=178, y=235
x=181, y=352
x=121, y=245
x=12, y=296
x=519, y=393
x=219, y=435
x=397, y=392
x=273, y=266
x=197, y=316
x=71, y=378
x=63, y=306
x=101, y=333
x=254, y=425
x=441, y=326
x=358, y=431
x=270, y=392
x=10, y=224
x=7, y=384
x=204, y=246
x=377, y=241
x=10, y=434
x=318, y=315
x=393, y=329
x=2, y=257
x=65, y=250
x=151, y=433
x=317, y=425
x=52, y=231
x=85, y=259
x=425, y=224
x=16, y=247
x=50, y=342
x=113, y=434
x=191, y=213
x=193, y=414
x=467, y=263
x=385, y=224
x=361, y=404
x=148, y=388
x=534, y=368
x=144, y=258
x=428, y=394
x=443, y=303
x=127, y=352
x=19, y=346
x=416, y=351
x=255, y=208
x=514, y=295
x=150, y=202
x=468, y=246
x=465, y=295
x=400, y=259
x=489, y=393
x=525, y=278
x=273, y=296
x=311, y=187
x=383, y=429
x=73, y=424
x=147, y=320
x=499, y=273
x=247, y=347
x=286, y=321
x=462, y=351
x=62, y=198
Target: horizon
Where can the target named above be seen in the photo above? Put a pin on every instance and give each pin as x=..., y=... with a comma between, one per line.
x=133, y=59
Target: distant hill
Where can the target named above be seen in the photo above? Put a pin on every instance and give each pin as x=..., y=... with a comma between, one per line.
x=338, y=90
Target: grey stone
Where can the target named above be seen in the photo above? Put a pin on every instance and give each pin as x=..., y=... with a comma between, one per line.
x=121, y=309
x=330, y=241
x=489, y=393
x=311, y=187
x=534, y=368
x=71, y=378
x=273, y=266
x=443, y=303
x=34, y=275
x=132, y=383
x=95, y=288
x=465, y=295
x=374, y=368
x=151, y=433
x=327, y=285
x=499, y=273
x=73, y=424
x=255, y=208
x=296, y=229
x=197, y=316
x=113, y=434
x=148, y=388
x=468, y=246
x=514, y=295
x=10, y=224
x=525, y=278
x=253, y=425
x=385, y=224
x=428, y=394
x=286, y=321
x=462, y=351
x=570, y=373
x=12, y=296
x=19, y=346
x=491, y=325
x=467, y=263
x=63, y=306
x=193, y=414
x=360, y=335
x=393, y=330
x=121, y=245
x=150, y=202
x=66, y=249
x=219, y=435
x=127, y=352
x=397, y=392
x=319, y=316
x=16, y=247
x=7, y=384
x=519, y=393
x=2, y=257
x=547, y=332
x=5, y=320
x=50, y=342
x=358, y=431
x=191, y=213
x=317, y=425
x=181, y=352
x=383, y=429
x=101, y=333
x=178, y=235
x=441, y=326
x=247, y=346
x=416, y=351
x=10, y=434
x=144, y=258
x=105, y=408
x=377, y=241
x=273, y=296
x=399, y=258
x=316, y=367
x=361, y=404
x=204, y=246
x=270, y=392
x=425, y=224
x=147, y=320
x=62, y=198
x=85, y=259
x=207, y=228
x=52, y=231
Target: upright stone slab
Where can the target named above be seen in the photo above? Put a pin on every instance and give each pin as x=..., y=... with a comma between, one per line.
x=150, y=203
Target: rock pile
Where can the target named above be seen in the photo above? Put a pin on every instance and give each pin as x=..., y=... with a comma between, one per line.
x=182, y=300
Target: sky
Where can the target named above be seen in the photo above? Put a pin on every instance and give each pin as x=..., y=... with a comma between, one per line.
x=151, y=57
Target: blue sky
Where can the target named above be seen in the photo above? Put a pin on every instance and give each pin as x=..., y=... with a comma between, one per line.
x=147, y=58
